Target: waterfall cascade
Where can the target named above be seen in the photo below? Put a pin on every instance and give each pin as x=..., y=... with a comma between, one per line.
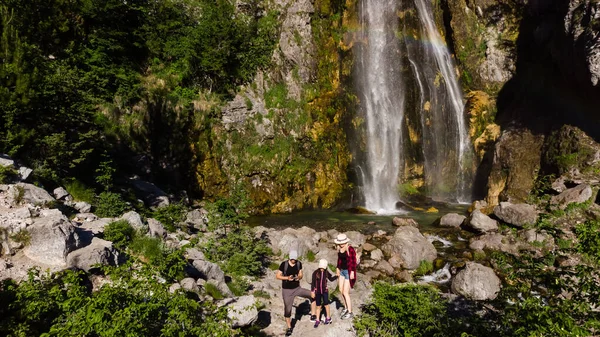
x=411, y=99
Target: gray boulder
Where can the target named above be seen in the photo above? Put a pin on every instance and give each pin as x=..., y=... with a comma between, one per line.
x=24, y=173
x=28, y=193
x=135, y=220
x=60, y=193
x=452, y=220
x=410, y=247
x=96, y=226
x=243, y=311
x=156, y=228
x=476, y=282
x=99, y=252
x=189, y=284
x=82, y=207
x=578, y=194
x=482, y=223
x=150, y=193
x=52, y=239
x=209, y=270
x=516, y=214
x=6, y=161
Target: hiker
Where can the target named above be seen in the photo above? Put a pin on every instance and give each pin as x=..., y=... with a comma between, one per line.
x=290, y=273
x=346, y=271
x=319, y=288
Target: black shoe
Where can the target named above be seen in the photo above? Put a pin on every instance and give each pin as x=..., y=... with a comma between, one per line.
x=288, y=332
x=313, y=318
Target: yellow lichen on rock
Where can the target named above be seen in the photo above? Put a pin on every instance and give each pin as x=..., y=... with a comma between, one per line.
x=432, y=210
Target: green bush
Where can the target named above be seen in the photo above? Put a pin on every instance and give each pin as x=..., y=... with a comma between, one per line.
x=170, y=216
x=169, y=263
x=120, y=232
x=403, y=310
x=134, y=303
x=213, y=291
x=425, y=267
x=80, y=192
x=229, y=211
x=239, y=252
x=110, y=205
x=7, y=174
x=588, y=234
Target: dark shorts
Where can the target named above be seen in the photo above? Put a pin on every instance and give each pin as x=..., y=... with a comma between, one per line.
x=322, y=299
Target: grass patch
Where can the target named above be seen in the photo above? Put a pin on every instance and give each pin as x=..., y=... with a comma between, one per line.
x=80, y=192
x=425, y=267
x=310, y=256
x=261, y=294
x=213, y=291
x=23, y=237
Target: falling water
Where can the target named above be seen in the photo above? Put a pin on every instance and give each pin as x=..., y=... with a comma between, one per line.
x=383, y=102
x=446, y=68
x=393, y=63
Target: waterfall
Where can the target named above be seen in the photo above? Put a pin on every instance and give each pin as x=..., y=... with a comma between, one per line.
x=393, y=64
x=383, y=102
x=446, y=67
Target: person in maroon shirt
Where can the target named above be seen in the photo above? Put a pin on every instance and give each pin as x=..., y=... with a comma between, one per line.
x=346, y=271
x=318, y=286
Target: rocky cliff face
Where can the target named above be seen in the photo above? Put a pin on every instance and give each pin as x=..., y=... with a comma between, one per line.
x=537, y=62
x=282, y=137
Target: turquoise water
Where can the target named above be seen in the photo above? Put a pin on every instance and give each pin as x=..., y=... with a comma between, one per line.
x=345, y=221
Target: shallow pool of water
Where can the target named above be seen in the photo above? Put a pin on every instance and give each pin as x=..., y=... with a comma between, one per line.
x=346, y=221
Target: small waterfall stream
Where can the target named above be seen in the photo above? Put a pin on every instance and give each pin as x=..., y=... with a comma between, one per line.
x=412, y=105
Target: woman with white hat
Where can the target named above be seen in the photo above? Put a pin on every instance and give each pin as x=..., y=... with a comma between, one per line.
x=346, y=270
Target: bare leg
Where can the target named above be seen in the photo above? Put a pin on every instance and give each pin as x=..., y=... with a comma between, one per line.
x=318, y=313
x=346, y=294
x=327, y=311
x=341, y=288
x=288, y=320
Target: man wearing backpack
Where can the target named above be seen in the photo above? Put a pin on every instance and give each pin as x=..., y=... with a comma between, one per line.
x=290, y=273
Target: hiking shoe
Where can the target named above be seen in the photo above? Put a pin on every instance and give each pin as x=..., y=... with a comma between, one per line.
x=347, y=315
x=288, y=332
x=317, y=324
x=344, y=311
x=313, y=318
x=327, y=321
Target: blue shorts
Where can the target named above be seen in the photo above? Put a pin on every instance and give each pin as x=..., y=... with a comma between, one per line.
x=344, y=273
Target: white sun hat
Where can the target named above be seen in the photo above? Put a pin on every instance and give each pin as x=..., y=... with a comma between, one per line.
x=323, y=263
x=341, y=238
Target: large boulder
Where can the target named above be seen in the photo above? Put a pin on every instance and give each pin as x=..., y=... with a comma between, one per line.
x=28, y=193
x=150, y=193
x=52, y=238
x=482, y=223
x=516, y=214
x=156, y=228
x=452, y=220
x=135, y=220
x=410, y=247
x=578, y=194
x=243, y=311
x=495, y=241
x=476, y=282
x=209, y=270
x=99, y=252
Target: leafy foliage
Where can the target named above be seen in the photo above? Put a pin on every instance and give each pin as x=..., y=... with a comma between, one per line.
x=110, y=205
x=120, y=233
x=239, y=252
x=170, y=216
x=403, y=310
x=134, y=303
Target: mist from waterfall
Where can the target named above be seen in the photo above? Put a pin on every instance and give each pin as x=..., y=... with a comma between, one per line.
x=399, y=60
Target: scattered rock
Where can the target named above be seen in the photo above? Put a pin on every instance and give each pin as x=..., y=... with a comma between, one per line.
x=243, y=311
x=82, y=207
x=52, y=239
x=410, y=247
x=60, y=193
x=516, y=214
x=189, y=284
x=578, y=194
x=156, y=228
x=135, y=220
x=476, y=282
x=452, y=220
x=482, y=223
x=99, y=252
x=405, y=222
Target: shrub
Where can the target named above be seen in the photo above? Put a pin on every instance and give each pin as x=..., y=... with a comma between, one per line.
x=23, y=237
x=229, y=211
x=170, y=216
x=7, y=174
x=120, y=232
x=134, y=303
x=238, y=285
x=239, y=252
x=213, y=291
x=169, y=263
x=79, y=191
x=403, y=310
x=110, y=205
